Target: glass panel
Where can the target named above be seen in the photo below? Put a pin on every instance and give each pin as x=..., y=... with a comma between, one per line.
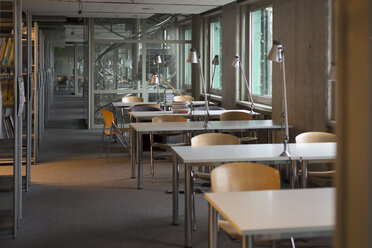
x=104, y=101
x=216, y=49
x=116, y=66
x=261, y=42
x=168, y=69
x=116, y=29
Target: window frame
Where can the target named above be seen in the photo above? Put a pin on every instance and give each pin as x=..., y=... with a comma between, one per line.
x=246, y=51
x=208, y=54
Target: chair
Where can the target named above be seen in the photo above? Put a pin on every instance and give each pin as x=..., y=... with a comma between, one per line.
x=324, y=176
x=242, y=177
x=239, y=116
x=109, y=130
x=210, y=139
x=165, y=145
x=132, y=99
x=183, y=98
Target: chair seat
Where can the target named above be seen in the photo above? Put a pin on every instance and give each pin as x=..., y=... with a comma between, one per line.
x=224, y=225
x=166, y=146
x=203, y=175
x=247, y=139
x=122, y=130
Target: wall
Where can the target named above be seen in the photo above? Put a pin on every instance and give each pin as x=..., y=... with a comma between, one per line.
x=302, y=26
x=230, y=46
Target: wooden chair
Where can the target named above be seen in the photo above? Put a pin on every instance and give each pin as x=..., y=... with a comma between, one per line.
x=109, y=130
x=209, y=139
x=239, y=116
x=132, y=99
x=242, y=177
x=323, y=176
x=183, y=98
x=165, y=145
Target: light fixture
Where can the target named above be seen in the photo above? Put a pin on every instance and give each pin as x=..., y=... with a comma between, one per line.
x=237, y=64
x=276, y=54
x=194, y=58
x=157, y=62
x=215, y=62
x=155, y=79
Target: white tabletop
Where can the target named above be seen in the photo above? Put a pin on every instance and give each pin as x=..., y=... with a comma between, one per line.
x=197, y=113
x=131, y=104
x=199, y=125
x=277, y=211
x=255, y=152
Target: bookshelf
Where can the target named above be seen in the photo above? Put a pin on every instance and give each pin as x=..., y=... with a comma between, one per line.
x=11, y=115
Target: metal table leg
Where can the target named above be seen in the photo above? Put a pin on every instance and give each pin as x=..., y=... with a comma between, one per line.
x=175, y=189
x=304, y=173
x=293, y=173
x=247, y=241
x=213, y=223
x=133, y=150
x=188, y=217
x=140, y=157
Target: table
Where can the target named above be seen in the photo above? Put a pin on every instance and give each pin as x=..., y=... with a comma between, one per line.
x=240, y=153
x=148, y=115
x=276, y=214
x=138, y=129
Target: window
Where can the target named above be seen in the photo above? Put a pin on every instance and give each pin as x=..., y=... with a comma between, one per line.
x=260, y=44
x=215, y=49
x=187, y=66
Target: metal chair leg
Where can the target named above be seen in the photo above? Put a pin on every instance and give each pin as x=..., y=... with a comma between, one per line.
x=293, y=242
x=101, y=146
x=193, y=202
x=152, y=157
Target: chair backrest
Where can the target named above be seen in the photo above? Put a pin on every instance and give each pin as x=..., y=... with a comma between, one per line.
x=156, y=105
x=312, y=137
x=235, y=116
x=209, y=139
x=168, y=118
x=132, y=99
x=244, y=177
x=108, y=117
x=183, y=98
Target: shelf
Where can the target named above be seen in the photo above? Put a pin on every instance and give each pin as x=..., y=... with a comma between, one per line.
x=6, y=76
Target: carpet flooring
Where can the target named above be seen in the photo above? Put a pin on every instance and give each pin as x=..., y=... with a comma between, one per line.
x=78, y=199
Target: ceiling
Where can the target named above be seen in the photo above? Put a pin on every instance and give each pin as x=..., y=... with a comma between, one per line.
x=119, y=8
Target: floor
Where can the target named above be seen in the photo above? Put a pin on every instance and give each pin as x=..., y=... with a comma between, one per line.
x=78, y=199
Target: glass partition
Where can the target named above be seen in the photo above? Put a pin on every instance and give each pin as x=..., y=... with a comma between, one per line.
x=123, y=59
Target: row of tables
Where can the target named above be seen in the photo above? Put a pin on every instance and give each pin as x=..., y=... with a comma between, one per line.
x=297, y=205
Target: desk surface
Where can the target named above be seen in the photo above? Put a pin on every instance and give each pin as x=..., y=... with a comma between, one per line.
x=255, y=152
x=199, y=125
x=277, y=211
x=197, y=113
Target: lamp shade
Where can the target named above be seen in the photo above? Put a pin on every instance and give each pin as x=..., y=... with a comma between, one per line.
x=215, y=61
x=276, y=52
x=158, y=59
x=236, y=61
x=193, y=56
x=154, y=78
